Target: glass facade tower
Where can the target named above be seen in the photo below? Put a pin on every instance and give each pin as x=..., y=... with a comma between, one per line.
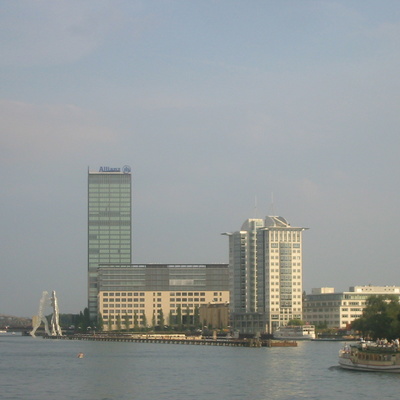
x=109, y=224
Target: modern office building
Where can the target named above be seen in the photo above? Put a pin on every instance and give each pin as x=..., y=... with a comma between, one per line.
x=324, y=307
x=152, y=293
x=265, y=262
x=109, y=224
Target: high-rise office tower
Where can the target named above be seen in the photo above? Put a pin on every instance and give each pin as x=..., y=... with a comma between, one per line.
x=265, y=261
x=109, y=224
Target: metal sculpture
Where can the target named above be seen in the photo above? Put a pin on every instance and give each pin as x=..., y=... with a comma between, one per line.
x=55, y=319
x=46, y=301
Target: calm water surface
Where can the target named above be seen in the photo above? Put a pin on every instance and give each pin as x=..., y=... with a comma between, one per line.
x=38, y=369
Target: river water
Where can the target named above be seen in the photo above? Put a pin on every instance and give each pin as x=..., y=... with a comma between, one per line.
x=38, y=369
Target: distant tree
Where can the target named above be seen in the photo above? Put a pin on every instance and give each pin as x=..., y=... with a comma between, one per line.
x=83, y=321
x=80, y=325
x=154, y=320
x=161, y=319
x=135, y=321
x=126, y=321
x=187, y=317
x=144, y=320
x=196, y=317
x=119, y=324
x=86, y=316
x=66, y=320
x=296, y=322
x=322, y=325
x=179, y=317
x=171, y=319
x=380, y=318
x=100, y=322
x=109, y=323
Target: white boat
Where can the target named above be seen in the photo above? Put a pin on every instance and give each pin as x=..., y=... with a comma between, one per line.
x=368, y=356
x=294, y=332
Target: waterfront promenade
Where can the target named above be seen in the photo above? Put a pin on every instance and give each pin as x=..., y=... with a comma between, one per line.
x=184, y=341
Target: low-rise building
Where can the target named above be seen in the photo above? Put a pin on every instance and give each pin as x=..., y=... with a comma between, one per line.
x=152, y=293
x=338, y=310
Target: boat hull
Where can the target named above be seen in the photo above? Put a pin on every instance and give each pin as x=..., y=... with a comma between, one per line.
x=305, y=332
x=347, y=364
x=370, y=359
x=294, y=338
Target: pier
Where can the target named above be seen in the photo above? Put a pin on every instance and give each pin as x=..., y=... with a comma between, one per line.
x=188, y=341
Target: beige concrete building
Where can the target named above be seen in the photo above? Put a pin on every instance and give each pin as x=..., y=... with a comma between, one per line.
x=147, y=293
x=337, y=310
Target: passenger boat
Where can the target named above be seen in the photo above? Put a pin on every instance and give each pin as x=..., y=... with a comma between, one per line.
x=368, y=356
x=294, y=332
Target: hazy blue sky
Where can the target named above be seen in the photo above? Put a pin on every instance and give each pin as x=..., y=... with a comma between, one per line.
x=212, y=104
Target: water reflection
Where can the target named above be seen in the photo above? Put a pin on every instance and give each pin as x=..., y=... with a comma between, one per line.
x=39, y=369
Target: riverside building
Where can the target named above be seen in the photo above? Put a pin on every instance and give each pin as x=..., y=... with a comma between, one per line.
x=109, y=224
x=152, y=294
x=265, y=262
x=324, y=307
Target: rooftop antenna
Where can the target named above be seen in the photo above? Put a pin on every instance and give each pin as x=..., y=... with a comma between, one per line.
x=255, y=207
x=272, y=205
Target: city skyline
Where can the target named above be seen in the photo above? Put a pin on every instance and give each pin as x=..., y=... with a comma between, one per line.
x=211, y=104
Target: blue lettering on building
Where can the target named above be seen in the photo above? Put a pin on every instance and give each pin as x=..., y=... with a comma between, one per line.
x=126, y=169
x=109, y=169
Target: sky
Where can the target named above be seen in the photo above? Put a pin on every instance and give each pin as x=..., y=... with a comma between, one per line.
x=225, y=110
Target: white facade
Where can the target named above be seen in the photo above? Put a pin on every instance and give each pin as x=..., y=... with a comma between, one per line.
x=265, y=261
x=339, y=310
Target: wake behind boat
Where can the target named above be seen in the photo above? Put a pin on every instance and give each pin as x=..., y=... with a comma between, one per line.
x=369, y=356
x=295, y=332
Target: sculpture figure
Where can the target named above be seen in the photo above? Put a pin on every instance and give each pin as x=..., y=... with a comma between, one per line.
x=38, y=319
x=55, y=325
